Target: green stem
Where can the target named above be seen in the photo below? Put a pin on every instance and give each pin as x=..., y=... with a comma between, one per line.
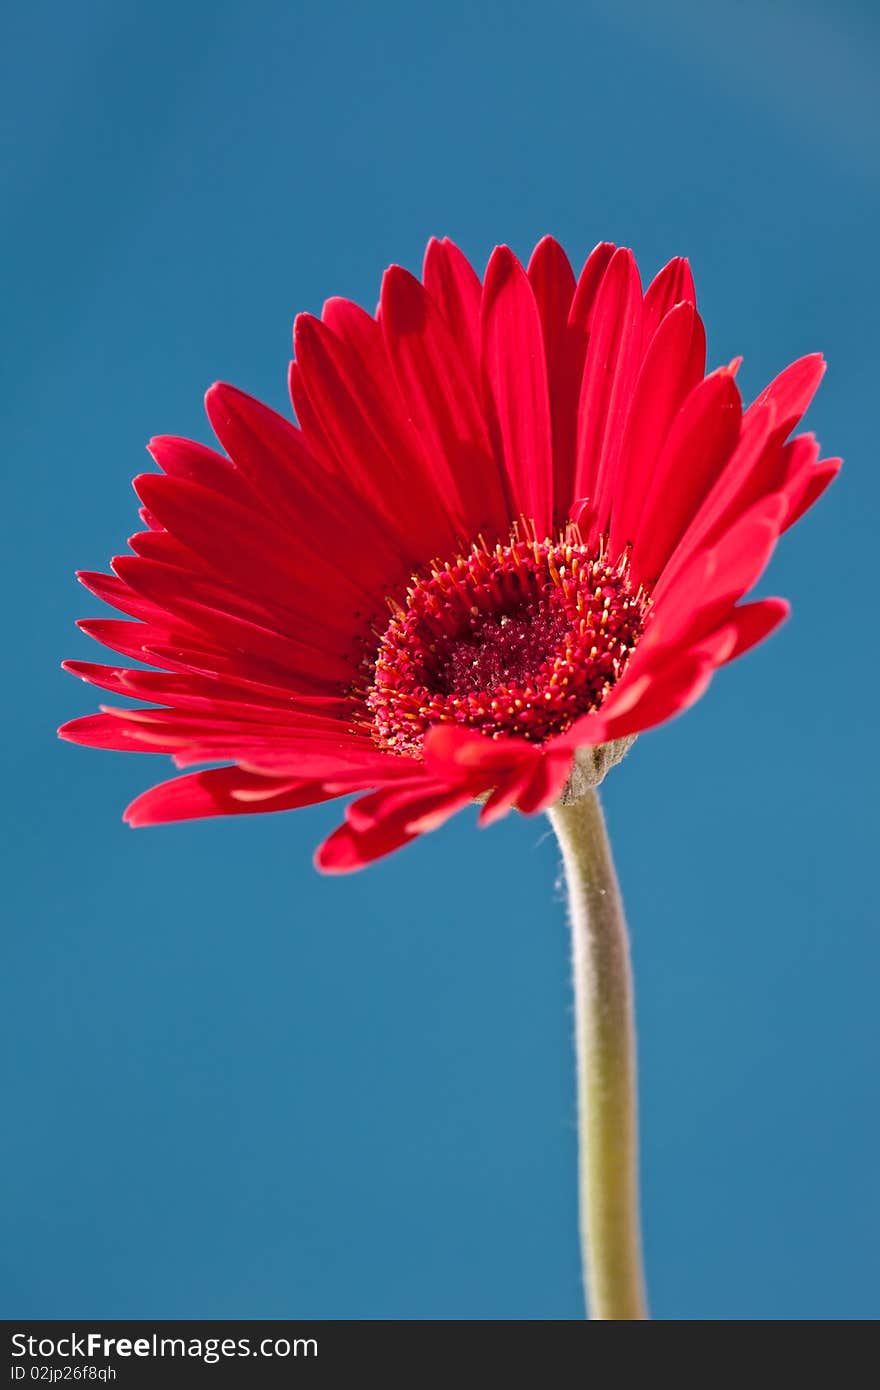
x=606, y=1066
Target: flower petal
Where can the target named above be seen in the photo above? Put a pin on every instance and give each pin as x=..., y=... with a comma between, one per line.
x=807, y=487
x=700, y=442
x=455, y=287
x=674, y=363
x=658, y=695
x=752, y=622
x=271, y=453
x=452, y=753
x=674, y=284
x=216, y=792
x=584, y=303
x=443, y=404
x=362, y=419
x=792, y=390
x=516, y=373
x=550, y=774
x=703, y=592
x=610, y=367
x=386, y=820
x=553, y=283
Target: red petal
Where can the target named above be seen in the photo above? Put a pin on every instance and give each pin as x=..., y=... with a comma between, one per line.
x=701, y=440
x=504, y=796
x=583, y=304
x=194, y=463
x=759, y=465
x=109, y=588
x=259, y=559
x=104, y=731
x=352, y=324
x=553, y=284
x=454, y=285
x=159, y=545
x=515, y=772
x=674, y=284
x=216, y=792
x=610, y=367
x=129, y=639
x=207, y=694
x=452, y=752
x=701, y=594
x=807, y=487
x=386, y=820
x=321, y=667
x=441, y=399
x=546, y=783
x=656, y=696
x=362, y=418
x=752, y=622
x=331, y=759
x=790, y=393
x=316, y=439
x=516, y=372
x=755, y=470
x=672, y=368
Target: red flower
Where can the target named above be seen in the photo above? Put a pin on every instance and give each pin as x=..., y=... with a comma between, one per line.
x=515, y=520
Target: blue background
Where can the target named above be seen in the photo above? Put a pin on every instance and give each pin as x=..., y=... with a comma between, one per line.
x=234, y=1088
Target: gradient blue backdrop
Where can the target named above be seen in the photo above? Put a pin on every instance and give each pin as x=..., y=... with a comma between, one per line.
x=234, y=1088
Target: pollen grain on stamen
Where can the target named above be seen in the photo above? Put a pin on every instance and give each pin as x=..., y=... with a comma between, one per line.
x=518, y=640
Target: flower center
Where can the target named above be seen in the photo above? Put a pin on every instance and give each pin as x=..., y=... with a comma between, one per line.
x=521, y=640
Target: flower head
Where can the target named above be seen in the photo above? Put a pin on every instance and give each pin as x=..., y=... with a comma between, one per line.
x=515, y=520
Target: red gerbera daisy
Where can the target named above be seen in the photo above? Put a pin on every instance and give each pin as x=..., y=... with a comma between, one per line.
x=510, y=531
